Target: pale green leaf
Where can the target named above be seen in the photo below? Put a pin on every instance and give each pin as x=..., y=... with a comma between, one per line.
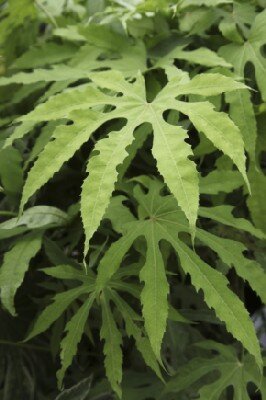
x=201, y=56
x=210, y=84
x=57, y=73
x=98, y=187
x=219, y=129
x=66, y=140
x=180, y=174
x=19, y=132
x=63, y=104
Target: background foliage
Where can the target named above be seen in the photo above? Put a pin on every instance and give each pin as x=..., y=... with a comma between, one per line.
x=132, y=168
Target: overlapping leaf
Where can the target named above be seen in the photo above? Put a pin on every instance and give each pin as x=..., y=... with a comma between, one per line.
x=232, y=372
x=250, y=51
x=161, y=219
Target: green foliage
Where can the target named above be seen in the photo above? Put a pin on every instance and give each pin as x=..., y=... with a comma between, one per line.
x=232, y=372
x=132, y=192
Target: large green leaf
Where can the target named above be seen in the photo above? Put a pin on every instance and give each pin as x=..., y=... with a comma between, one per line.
x=180, y=176
x=161, y=219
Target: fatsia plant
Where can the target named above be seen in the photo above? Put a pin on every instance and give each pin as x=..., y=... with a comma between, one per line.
x=179, y=172
x=159, y=219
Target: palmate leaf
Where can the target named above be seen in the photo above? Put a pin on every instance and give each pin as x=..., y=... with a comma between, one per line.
x=87, y=292
x=161, y=219
x=232, y=372
x=250, y=51
x=173, y=163
x=96, y=53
